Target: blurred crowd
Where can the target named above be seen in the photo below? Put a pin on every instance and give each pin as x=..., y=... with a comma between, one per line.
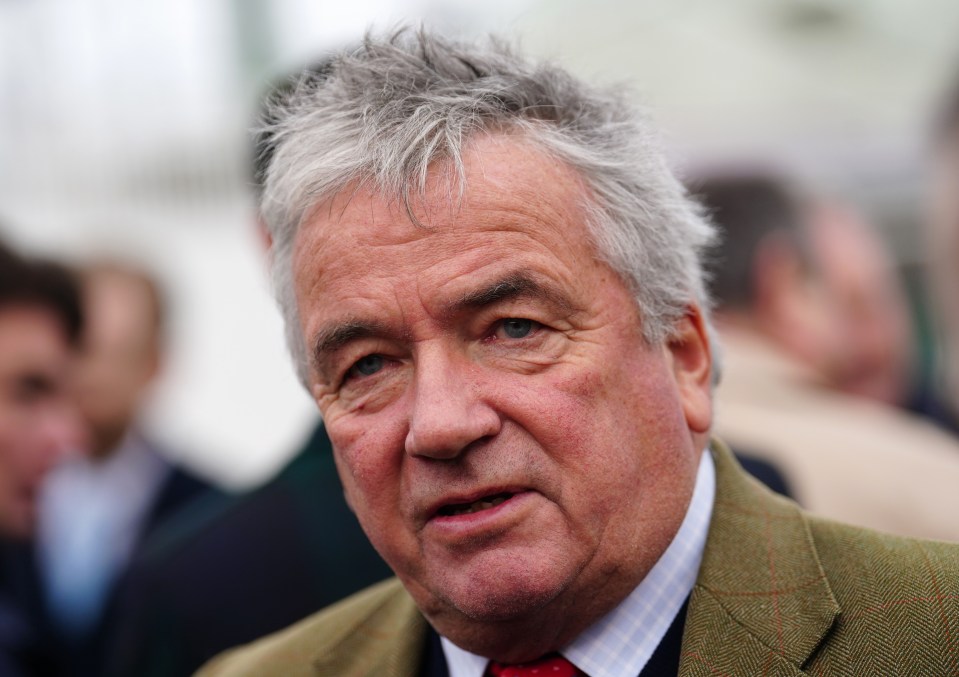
x=115, y=560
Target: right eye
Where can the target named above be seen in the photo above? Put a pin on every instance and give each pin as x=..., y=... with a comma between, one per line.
x=366, y=366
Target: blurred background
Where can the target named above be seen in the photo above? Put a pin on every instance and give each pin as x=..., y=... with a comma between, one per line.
x=124, y=131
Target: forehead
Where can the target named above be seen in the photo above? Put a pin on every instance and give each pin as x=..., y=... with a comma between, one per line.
x=119, y=309
x=517, y=202
x=31, y=337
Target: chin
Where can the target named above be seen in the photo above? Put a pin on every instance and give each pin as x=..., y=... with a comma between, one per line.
x=510, y=622
x=503, y=595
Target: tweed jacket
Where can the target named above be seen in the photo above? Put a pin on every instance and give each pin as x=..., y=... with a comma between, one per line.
x=779, y=593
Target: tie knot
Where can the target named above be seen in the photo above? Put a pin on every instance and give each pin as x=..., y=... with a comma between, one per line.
x=550, y=665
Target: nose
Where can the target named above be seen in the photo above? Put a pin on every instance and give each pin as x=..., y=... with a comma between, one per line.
x=449, y=412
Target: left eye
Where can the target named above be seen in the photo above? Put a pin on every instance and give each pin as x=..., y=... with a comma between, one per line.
x=517, y=327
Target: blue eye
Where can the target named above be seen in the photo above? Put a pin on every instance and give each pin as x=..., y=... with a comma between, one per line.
x=367, y=365
x=517, y=328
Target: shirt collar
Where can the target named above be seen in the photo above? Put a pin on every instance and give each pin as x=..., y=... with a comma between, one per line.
x=622, y=642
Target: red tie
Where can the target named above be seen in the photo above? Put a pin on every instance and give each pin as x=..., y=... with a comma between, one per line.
x=551, y=665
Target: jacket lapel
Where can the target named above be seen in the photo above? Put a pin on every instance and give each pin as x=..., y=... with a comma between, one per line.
x=382, y=640
x=761, y=604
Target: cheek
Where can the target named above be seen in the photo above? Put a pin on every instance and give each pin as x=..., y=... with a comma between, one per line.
x=624, y=428
x=626, y=394
x=567, y=412
x=369, y=455
x=557, y=405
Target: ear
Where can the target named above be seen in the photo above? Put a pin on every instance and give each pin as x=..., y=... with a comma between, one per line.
x=266, y=240
x=691, y=357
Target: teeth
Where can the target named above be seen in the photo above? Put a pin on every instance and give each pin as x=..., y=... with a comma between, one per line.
x=476, y=506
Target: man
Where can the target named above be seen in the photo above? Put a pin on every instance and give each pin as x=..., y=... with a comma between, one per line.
x=942, y=249
x=40, y=321
x=493, y=290
x=99, y=506
x=810, y=313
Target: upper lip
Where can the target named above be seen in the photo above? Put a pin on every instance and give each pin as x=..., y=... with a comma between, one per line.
x=434, y=507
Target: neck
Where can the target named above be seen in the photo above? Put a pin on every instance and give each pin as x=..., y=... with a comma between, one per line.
x=542, y=631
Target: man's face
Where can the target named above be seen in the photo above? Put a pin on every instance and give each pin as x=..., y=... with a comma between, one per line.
x=867, y=345
x=37, y=421
x=506, y=437
x=119, y=356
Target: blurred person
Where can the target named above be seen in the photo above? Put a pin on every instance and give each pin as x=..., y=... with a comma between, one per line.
x=941, y=237
x=97, y=507
x=241, y=567
x=812, y=321
x=492, y=288
x=40, y=323
x=872, y=352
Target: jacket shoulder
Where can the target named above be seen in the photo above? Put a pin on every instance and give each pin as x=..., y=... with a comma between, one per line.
x=899, y=599
x=783, y=592
x=863, y=564
x=376, y=626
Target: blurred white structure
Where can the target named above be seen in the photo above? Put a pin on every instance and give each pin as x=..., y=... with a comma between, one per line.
x=123, y=128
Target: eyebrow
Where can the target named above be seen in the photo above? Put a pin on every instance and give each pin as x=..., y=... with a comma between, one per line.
x=332, y=338
x=513, y=286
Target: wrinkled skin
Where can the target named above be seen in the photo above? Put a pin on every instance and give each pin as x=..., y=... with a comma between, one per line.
x=486, y=354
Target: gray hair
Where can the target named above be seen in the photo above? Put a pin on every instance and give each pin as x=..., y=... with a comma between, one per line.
x=383, y=113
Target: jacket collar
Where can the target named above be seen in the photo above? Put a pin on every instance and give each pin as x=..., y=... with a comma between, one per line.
x=383, y=637
x=761, y=604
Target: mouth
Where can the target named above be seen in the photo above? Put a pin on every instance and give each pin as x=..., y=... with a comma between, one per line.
x=484, y=503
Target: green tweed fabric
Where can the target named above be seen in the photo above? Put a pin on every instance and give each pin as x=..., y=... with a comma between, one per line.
x=784, y=593
x=375, y=633
x=779, y=593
